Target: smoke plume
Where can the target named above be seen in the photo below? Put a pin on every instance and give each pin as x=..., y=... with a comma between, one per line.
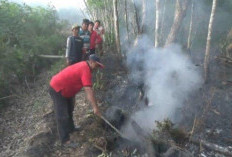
x=168, y=77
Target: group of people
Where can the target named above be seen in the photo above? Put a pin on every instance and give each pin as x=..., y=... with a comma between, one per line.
x=81, y=62
x=84, y=41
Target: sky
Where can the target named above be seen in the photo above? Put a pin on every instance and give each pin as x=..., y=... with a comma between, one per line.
x=59, y=4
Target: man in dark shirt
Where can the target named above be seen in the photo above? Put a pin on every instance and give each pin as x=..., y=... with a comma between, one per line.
x=85, y=35
x=74, y=47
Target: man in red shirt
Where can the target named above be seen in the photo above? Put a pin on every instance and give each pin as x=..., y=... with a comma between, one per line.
x=94, y=38
x=63, y=88
x=100, y=31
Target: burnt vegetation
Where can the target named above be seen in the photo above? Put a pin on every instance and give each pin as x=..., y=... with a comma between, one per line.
x=166, y=87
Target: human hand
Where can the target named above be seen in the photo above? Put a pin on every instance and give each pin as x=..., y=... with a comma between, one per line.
x=67, y=62
x=96, y=111
x=84, y=50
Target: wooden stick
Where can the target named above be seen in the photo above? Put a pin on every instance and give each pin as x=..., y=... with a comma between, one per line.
x=6, y=97
x=115, y=129
x=193, y=128
x=51, y=56
x=225, y=59
x=212, y=146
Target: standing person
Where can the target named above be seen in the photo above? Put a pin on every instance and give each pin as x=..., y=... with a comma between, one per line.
x=64, y=86
x=94, y=38
x=85, y=35
x=74, y=47
x=100, y=31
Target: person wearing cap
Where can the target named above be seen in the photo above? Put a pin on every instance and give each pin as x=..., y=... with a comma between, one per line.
x=65, y=85
x=85, y=35
x=74, y=47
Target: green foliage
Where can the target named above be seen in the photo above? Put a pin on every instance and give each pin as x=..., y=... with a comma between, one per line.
x=109, y=38
x=26, y=32
x=166, y=127
x=93, y=4
x=102, y=10
x=58, y=66
x=225, y=45
x=99, y=84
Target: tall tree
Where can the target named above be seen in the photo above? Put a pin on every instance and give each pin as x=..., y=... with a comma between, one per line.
x=143, y=26
x=162, y=21
x=116, y=26
x=126, y=20
x=207, y=51
x=157, y=19
x=88, y=10
x=136, y=17
x=180, y=12
x=190, y=27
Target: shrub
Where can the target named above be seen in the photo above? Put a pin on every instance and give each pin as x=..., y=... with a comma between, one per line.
x=26, y=32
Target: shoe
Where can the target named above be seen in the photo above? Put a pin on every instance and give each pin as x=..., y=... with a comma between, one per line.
x=71, y=144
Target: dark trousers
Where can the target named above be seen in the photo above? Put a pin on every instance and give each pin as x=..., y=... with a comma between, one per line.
x=86, y=55
x=63, y=108
x=91, y=51
x=71, y=62
x=100, y=49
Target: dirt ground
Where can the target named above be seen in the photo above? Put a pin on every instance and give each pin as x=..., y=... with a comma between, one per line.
x=28, y=128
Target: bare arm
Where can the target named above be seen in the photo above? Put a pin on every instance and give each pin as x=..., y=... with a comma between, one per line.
x=68, y=47
x=90, y=96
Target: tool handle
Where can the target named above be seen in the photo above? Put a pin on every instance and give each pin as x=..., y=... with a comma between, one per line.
x=115, y=129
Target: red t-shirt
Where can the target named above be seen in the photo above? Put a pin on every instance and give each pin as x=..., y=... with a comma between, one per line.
x=71, y=79
x=94, y=39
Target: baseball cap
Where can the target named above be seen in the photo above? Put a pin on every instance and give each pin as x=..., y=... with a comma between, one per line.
x=75, y=27
x=93, y=57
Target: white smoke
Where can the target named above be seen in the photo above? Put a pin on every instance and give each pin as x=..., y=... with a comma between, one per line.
x=169, y=77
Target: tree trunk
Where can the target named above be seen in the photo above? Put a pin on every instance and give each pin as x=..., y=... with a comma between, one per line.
x=136, y=17
x=110, y=16
x=112, y=29
x=157, y=6
x=190, y=28
x=111, y=21
x=143, y=26
x=207, y=51
x=88, y=10
x=162, y=22
x=180, y=12
x=116, y=27
x=105, y=19
x=126, y=20
x=107, y=22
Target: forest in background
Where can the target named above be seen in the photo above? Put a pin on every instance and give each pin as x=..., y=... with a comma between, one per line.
x=138, y=17
x=27, y=32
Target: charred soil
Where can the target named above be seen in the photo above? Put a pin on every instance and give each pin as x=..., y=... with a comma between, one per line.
x=28, y=127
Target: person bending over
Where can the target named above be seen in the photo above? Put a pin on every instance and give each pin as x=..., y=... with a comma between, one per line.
x=64, y=86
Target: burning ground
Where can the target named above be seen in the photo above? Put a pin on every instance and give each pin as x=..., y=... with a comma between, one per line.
x=198, y=114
